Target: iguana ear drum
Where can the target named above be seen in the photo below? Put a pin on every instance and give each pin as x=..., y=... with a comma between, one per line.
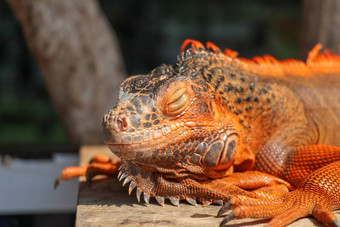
x=227, y=157
x=214, y=151
x=220, y=153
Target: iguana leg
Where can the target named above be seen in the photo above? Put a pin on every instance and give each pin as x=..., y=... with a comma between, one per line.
x=254, y=180
x=317, y=195
x=100, y=158
x=99, y=165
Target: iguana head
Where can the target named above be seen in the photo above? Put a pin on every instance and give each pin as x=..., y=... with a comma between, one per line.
x=172, y=119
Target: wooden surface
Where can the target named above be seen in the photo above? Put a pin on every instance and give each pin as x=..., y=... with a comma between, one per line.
x=107, y=203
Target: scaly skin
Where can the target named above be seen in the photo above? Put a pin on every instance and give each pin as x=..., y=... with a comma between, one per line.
x=216, y=128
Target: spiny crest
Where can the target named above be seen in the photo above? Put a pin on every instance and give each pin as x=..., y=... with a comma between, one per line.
x=148, y=83
x=316, y=63
x=124, y=176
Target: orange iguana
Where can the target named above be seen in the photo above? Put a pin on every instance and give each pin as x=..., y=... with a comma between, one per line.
x=260, y=136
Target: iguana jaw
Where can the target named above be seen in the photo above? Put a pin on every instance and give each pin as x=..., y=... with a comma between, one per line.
x=185, y=153
x=198, y=147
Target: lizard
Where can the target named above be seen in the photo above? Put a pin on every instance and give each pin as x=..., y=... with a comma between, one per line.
x=259, y=136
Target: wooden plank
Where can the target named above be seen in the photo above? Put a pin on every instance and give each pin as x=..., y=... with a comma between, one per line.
x=107, y=203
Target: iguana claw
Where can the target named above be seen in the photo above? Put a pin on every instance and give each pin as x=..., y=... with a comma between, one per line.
x=227, y=218
x=224, y=208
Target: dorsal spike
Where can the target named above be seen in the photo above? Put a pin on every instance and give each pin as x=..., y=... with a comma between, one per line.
x=127, y=180
x=194, y=45
x=316, y=63
x=259, y=59
x=174, y=201
x=138, y=194
x=123, y=176
x=270, y=59
x=214, y=48
x=146, y=198
x=191, y=201
x=230, y=53
x=131, y=187
x=160, y=200
x=313, y=53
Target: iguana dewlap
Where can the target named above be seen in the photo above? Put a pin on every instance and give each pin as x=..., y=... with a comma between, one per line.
x=217, y=128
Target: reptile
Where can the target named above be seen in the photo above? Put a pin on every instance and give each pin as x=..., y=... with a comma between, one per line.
x=259, y=136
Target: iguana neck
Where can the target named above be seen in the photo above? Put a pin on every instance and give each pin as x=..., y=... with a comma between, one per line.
x=256, y=104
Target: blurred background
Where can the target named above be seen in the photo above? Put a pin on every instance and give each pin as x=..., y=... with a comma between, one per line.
x=39, y=128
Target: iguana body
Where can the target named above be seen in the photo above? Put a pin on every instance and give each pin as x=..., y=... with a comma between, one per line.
x=214, y=127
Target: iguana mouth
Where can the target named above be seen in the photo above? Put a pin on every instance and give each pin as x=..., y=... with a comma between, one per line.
x=132, y=145
x=193, y=143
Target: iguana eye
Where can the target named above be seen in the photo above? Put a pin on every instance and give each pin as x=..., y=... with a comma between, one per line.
x=175, y=98
x=177, y=102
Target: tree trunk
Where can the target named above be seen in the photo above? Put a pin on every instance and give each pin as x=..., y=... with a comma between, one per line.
x=321, y=24
x=79, y=59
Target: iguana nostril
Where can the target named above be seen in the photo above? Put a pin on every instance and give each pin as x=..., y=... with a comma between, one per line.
x=121, y=123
